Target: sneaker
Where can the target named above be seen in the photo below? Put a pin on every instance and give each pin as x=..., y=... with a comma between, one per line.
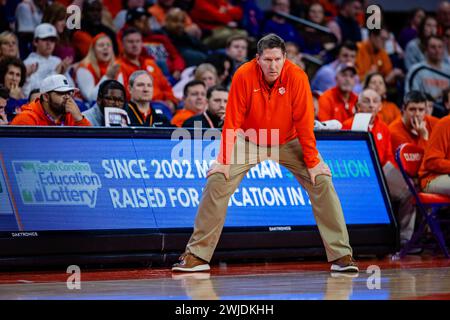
x=344, y=264
x=190, y=263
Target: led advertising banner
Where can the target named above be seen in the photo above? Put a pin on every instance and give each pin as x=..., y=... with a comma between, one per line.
x=136, y=183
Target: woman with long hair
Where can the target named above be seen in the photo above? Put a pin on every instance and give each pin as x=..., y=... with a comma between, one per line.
x=56, y=15
x=98, y=66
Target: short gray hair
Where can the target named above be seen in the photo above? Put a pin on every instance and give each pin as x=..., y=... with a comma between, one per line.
x=136, y=74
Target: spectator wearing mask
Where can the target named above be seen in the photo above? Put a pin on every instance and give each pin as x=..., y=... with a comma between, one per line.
x=338, y=103
x=98, y=66
x=194, y=100
x=46, y=63
x=55, y=106
x=214, y=115
x=132, y=60
x=111, y=94
x=431, y=75
x=325, y=78
x=140, y=110
x=389, y=110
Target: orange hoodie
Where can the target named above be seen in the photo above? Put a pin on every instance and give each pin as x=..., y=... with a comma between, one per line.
x=33, y=114
x=287, y=106
x=436, y=160
x=400, y=133
x=332, y=105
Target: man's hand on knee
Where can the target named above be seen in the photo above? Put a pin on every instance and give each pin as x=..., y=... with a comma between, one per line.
x=321, y=168
x=217, y=167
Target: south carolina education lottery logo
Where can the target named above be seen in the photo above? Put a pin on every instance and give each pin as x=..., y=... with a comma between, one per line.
x=57, y=183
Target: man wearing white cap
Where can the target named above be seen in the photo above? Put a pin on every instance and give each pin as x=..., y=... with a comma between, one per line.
x=55, y=106
x=45, y=36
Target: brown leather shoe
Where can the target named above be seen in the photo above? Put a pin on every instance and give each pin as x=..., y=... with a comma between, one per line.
x=190, y=263
x=344, y=264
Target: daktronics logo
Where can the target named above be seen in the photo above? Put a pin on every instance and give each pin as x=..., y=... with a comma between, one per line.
x=57, y=183
x=413, y=156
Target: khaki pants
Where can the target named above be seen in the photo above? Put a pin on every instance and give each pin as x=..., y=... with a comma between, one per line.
x=440, y=184
x=214, y=203
x=399, y=192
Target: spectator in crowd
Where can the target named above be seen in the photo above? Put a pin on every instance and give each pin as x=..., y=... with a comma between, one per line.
x=431, y=75
x=218, y=21
x=91, y=25
x=28, y=16
x=325, y=78
x=45, y=37
x=121, y=17
x=345, y=26
x=415, y=49
x=157, y=46
x=280, y=26
x=223, y=65
x=132, y=60
x=56, y=15
x=294, y=55
x=191, y=48
x=369, y=101
x=415, y=126
x=237, y=50
x=13, y=76
x=338, y=103
x=443, y=14
x=210, y=15
x=4, y=96
x=410, y=32
x=389, y=110
x=194, y=102
x=55, y=106
x=206, y=73
x=161, y=8
x=315, y=42
x=9, y=45
x=111, y=94
x=99, y=65
x=372, y=57
x=434, y=173
x=140, y=111
x=214, y=115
